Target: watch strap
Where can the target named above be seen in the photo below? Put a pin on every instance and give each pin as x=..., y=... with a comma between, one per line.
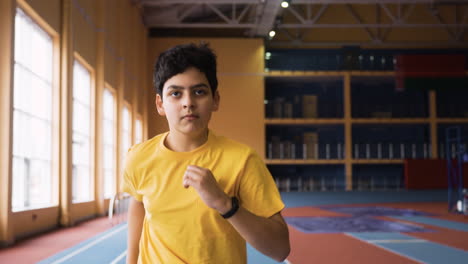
x=234, y=208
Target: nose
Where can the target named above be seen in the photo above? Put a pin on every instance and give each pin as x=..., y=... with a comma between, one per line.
x=188, y=102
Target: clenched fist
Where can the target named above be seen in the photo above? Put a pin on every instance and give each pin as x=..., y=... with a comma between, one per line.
x=207, y=188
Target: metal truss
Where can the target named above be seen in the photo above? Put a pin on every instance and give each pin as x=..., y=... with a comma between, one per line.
x=258, y=17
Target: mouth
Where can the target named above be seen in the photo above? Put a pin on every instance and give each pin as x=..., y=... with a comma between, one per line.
x=190, y=117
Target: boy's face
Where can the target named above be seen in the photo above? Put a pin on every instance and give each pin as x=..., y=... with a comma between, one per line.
x=187, y=102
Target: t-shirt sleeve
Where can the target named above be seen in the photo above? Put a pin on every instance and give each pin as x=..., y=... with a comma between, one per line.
x=258, y=192
x=130, y=183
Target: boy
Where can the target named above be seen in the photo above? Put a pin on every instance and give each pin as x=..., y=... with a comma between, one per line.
x=197, y=197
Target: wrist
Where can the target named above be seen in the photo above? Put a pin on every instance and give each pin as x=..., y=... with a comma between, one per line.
x=234, y=208
x=225, y=205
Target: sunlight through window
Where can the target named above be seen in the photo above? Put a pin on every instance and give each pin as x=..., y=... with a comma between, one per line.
x=81, y=175
x=32, y=115
x=109, y=143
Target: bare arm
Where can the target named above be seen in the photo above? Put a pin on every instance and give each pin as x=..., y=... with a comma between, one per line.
x=136, y=214
x=268, y=235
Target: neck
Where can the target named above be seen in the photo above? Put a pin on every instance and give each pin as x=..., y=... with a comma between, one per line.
x=180, y=142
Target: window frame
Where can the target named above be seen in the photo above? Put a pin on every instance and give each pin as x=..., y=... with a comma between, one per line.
x=123, y=152
x=92, y=136
x=54, y=115
x=113, y=92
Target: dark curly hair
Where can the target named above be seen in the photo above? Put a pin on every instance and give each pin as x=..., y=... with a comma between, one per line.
x=179, y=58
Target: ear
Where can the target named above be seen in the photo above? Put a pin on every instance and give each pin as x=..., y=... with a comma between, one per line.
x=216, y=100
x=159, y=105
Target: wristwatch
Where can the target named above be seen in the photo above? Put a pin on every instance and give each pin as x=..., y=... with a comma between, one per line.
x=234, y=208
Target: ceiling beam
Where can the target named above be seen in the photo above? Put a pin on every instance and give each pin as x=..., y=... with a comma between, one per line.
x=267, y=18
x=171, y=2
x=197, y=2
x=251, y=25
x=379, y=1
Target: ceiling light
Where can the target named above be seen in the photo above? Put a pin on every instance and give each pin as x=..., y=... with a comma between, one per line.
x=285, y=4
x=272, y=33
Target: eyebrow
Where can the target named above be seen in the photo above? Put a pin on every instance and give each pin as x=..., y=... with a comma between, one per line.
x=178, y=87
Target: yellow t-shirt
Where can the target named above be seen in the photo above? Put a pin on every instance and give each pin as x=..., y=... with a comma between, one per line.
x=178, y=226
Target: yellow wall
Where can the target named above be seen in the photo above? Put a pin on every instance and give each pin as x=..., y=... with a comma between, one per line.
x=110, y=38
x=240, y=77
x=6, y=83
x=49, y=12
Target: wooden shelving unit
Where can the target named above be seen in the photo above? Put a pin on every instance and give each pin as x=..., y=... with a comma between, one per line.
x=304, y=121
x=303, y=161
x=348, y=121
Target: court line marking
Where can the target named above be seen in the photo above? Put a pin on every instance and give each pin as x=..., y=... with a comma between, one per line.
x=387, y=241
x=387, y=249
x=121, y=256
x=76, y=252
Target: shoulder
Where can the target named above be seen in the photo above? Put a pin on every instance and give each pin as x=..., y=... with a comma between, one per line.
x=141, y=151
x=232, y=146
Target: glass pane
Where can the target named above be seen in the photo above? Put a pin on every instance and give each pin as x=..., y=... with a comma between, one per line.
x=109, y=157
x=109, y=183
x=138, y=131
x=22, y=89
x=81, y=83
x=18, y=191
x=108, y=131
x=21, y=134
x=108, y=105
x=41, y=99
x=82, y=189
x=41, y=140
x=125, y=119
x=40, y=183
x=81, y=118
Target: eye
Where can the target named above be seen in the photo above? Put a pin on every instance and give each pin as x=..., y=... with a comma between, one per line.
x=175, y=94
x=200, y=92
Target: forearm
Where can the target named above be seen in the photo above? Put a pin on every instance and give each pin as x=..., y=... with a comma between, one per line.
x=268, y=235
x=136, y=214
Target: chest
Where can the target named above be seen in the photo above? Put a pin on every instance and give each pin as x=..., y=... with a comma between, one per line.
x=165, y=197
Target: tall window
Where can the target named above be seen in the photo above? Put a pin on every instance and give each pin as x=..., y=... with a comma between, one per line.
x=32, y=115
x=138, y=131
x=109, y=143
x=82, y=177
x=126, y=135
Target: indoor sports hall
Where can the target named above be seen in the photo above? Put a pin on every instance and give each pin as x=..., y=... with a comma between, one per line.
x=358, y=108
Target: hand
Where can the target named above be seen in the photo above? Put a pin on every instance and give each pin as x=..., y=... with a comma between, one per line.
x=207, y=188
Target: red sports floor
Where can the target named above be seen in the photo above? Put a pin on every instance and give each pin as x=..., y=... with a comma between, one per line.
x=341, y=248
x=323, y=248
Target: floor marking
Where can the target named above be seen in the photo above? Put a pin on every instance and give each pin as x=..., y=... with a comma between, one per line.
x=448, y=224
x=121, y=256
x=387, y=249
x=76, y=252
x=377, y=241
x=413, y=248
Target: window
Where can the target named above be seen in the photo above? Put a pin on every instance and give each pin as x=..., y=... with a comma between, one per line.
x=126, y=135
x=32, y=116
x=109, y=143
x=138, y=131
x=81, y=176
